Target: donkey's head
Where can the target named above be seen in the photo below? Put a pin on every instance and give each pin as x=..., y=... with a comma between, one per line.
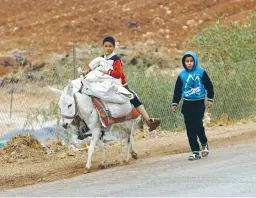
x=68, y=104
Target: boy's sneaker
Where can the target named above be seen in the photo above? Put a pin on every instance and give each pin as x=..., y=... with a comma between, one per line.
x=194, y=156
x=154, y=123
x=205, y=150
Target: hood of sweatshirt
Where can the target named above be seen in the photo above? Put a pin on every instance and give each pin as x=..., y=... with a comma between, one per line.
x=193, y=54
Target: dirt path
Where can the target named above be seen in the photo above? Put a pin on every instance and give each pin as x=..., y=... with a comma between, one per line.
x=63, y=164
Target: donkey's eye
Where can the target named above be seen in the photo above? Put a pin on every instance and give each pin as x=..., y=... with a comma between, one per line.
x=69, y=105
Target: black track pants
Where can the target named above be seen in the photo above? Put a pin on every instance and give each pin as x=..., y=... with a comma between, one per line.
x=193, y=112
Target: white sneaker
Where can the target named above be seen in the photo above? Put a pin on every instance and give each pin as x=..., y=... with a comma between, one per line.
x=205, y=150
x=194, y=156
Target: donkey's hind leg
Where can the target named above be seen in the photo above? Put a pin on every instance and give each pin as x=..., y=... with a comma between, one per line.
x=132, y=137
x=102, y=153
x=121, y=147
x=130, y=131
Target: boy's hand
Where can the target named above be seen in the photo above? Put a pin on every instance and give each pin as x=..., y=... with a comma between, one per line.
x=84, y=72
x=174, y=108
x=209, y=104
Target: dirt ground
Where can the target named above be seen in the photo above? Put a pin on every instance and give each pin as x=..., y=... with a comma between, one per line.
x=45, y=27
x=34, y=166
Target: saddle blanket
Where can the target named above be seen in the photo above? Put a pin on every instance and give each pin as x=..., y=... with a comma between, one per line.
x=105, y=115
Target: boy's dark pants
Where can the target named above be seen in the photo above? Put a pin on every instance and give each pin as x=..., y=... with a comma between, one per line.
x=193, y=112
x=135, y=101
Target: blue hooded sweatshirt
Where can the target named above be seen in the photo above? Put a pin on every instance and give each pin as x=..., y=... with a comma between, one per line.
x=192, y=84
x=193, y=88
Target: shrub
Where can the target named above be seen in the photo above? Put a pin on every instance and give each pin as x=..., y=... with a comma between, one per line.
x=226, y=44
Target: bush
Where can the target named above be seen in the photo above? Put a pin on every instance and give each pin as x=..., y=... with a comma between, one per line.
x=226, y=44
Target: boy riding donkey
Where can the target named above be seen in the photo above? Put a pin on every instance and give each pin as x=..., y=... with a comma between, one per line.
x=117, y=72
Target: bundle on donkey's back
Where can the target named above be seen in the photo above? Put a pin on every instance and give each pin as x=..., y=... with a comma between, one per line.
x=109, y=90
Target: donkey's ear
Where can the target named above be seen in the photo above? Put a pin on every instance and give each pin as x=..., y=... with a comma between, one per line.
x=70, y=88
x=57, y=91
x=70, y=83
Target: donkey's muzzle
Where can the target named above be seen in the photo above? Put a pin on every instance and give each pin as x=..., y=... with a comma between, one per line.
x=65, y=126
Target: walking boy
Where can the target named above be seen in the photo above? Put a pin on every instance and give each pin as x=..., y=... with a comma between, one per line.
x=191, y=85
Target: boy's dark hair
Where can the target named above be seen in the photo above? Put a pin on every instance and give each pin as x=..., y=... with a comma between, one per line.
x=184, y=57
x=109, y=39
x=183, y=60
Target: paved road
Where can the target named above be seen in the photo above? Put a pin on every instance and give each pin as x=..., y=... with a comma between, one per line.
x=225, y=172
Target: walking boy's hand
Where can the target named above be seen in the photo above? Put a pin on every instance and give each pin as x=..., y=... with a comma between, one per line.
x=209, y=104
x=174, y=108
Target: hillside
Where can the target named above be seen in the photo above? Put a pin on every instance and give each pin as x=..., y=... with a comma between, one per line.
x=51, y=26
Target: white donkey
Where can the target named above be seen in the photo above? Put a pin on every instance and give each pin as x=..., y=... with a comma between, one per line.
x=72, y=103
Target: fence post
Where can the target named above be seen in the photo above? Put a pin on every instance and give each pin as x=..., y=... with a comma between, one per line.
x=74, y=60
x=11, y=104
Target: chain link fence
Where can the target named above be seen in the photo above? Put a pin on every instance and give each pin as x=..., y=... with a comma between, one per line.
x=234, y=85
x=27, y=102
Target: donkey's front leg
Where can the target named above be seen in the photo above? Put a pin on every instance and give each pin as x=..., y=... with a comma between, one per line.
x=95, y=137
x=129, y=142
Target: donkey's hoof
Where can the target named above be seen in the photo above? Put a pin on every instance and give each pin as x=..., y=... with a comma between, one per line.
x=125, y=162
x=87, y=170
x=134, y=155
x=102, y=166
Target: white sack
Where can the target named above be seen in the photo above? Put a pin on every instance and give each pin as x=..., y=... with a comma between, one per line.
x=105, y=87
x=100, y=62
x=118, y=110
x=107, y=91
